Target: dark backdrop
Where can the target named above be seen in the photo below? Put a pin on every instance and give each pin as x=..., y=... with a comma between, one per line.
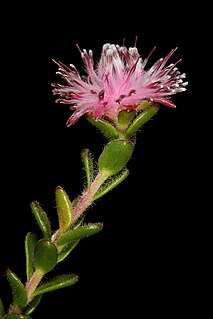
x=143, y=262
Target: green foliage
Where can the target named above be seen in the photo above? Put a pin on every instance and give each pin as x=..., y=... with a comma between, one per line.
x=18, y=289
x=42, y=219
x=66, y=250
x=45, y=256
x=111, y=183
x=30, y=243
x=79, y=233
x=64, y=208
x=141, y=119
x=115, y=156
x=57, y=282
x=125, y=117
x=32, y=305
x=1, y=309
x=107, y=129
x=88, y=165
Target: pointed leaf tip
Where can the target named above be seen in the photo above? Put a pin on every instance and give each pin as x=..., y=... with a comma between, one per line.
x=41, y=218
x=64, y=208
x=18, y=289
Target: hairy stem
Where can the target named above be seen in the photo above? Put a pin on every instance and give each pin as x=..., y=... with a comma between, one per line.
x=32, y=284
x=87, y=196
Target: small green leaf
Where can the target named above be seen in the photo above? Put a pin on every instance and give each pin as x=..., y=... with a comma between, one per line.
x=88, y=165
x=30, y=243
x=15, y=316
x=66, y=250
x=107, y=129
x=1, y=309
x=42, y=219
x=45, y=256
x=64, y=208
x=115, y=156
x=141, y=119
x=79, y=233
x=32, y=305
x=57, y=282
x=18, y=289
x=112, y=183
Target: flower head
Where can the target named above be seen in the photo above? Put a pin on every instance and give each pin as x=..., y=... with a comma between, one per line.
x=118, y=82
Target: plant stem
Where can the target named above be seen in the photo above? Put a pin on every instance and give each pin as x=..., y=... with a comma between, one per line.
x=32, y=284
x=87, y=196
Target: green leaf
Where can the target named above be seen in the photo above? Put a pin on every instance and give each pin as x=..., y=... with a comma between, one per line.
x=67, y=250
x=110, y=184
x=32, y=305
x=64, y=208
x=45, y=256
x=88, y=165
x=79, y=233
x=141, y=119
x=42, y=219
x=107, y=129
x=57, y=282
x=15, y=316
x=30, y=243
x=125, y=117
x=18, y=289
x=1, y=309
x=115, y=156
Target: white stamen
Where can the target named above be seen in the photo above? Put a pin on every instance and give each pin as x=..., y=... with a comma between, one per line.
x=185, y=84
x=90, y=53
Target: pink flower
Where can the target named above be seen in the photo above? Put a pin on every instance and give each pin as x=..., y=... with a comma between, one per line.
x=118, y=82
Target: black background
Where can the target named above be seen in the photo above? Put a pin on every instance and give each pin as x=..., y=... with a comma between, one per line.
x=144, y=260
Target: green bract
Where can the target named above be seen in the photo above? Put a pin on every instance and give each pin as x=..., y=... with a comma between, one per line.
x=141, y=119
x=107, y=129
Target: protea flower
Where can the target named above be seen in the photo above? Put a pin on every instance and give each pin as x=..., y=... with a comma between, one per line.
x=118, y=82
